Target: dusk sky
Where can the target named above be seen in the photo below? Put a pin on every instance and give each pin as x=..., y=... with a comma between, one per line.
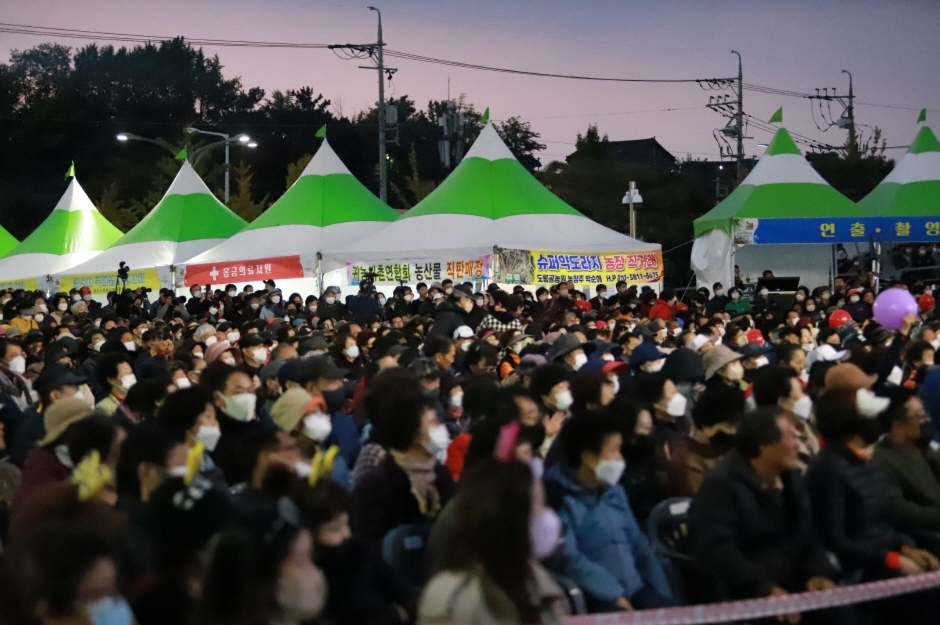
x=891, y=47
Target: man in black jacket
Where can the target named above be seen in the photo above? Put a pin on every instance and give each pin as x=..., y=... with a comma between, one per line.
x=453, y=313
x=750, y=521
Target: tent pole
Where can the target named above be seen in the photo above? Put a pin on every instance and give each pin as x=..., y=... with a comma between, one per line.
x=319, y=273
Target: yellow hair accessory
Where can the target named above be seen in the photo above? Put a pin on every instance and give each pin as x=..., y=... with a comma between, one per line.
x=193, y=462
x=322, y=465
x=91, y=476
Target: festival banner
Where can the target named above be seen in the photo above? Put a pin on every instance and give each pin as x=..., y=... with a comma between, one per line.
x=428, y=271
x=606, y=268
x=839, y=230
x=103, y=283
x=277, y=268
x=27, y=284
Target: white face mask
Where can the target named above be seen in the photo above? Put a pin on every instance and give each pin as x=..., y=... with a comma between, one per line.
x=764, y=292
x=803, y=407
x=810, y=308
x=854, y=299
x=87, y=298
x=719, y=292
x=318, y=426
x=18, y=365
x=312, y=308
x=228, y=359
x=563, y=400
x=409, y=298
x=130, y=346
x=735, y=296
x=255, y=305
x=182, y=383
x=240, y=407
x=456, y=401
x=449, y=290
x=330, y=300
x=761, y=361
x=808, y=347
x=233, y=337
x=936, y=343
x=579, y=361
x=39, y=317
x=869, y=404
x=440, y=439
x=211, y=340
x=275, y=299
x=213, y=311
x=209, y=436
x=896, y=376
x=127, y=381
x=609, y=471
x=260, y=354
x=63, y=307
x=198, y=355
x=800, y=297
x=76, y=298
x=97, y=346
x=654, y=366
x=437, y=296
x=197, y=293
x=381, y=301
x=231, y=293
x=677, y=405
x=352, y=352
x=615, y=382
x=465, y=346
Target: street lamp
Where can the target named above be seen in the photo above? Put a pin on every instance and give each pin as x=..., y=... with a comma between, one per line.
x=227, y=141
x=632, y=199
x=124, y=137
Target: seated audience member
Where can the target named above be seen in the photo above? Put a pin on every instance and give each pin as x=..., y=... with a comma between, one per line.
x=781, y=387
x=750, y=521
x=608, y=555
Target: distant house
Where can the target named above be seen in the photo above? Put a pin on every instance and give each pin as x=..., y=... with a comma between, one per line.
x=645, y=152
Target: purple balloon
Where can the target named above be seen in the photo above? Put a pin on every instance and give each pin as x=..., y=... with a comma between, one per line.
x=892, y=305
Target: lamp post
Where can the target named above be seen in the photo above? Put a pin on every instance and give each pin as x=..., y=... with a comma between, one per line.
x=227, y=140
x=632, y=199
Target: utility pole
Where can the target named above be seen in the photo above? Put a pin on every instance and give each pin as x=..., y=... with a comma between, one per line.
x=739, y=118
x=731, y=109
x=846, y=120
x=383, y=160
x=375, y=52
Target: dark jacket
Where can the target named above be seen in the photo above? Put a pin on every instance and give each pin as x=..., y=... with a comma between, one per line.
x=334, y=311
x=358, y=308
x=32, y=429
x=447, y=319
x=912, y=487
x=755, y=538
x=382, y=500
x=848, y=497
x=42, y=467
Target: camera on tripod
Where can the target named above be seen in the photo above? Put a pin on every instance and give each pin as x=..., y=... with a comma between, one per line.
x=367, y=283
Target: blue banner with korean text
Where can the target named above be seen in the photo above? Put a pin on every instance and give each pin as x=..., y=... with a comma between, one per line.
x=839, y=230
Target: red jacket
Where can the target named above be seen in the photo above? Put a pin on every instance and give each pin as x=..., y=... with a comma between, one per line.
x=661, y=310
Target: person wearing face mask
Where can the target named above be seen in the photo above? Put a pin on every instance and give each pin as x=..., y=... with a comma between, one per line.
x=330, y=306
x=608, y=556
x=24, y=321
x=912, y=488
x=148, y=456
x=409, y=485
x=254, y=354
x=159, y=345
x=115, y=374
x=453, y=313
x=504, y=315
x=919, y=359
x=860, y=310
x=280, y=582
x=718, y=301
x=646, y=358
x=781, y=387
x=15, y=391
x=362, y=587
x=551, y=387
x=567, y=352
x=848, y=498
x=190, y=416
x=307, y=420
x=198, y=304
x=274, y=308
x=481, y=581
x=737, y=305
x=348, y=356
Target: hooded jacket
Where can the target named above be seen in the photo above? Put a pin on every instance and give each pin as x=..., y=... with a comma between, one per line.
x=447, y=319
x=609, y=557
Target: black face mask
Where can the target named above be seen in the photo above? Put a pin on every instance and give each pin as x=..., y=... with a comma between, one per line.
x=334, y=399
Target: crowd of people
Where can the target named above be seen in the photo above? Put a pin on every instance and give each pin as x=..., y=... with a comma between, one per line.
x=441, y=455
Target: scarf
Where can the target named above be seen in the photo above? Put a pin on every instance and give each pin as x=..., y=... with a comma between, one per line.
x=421, y=477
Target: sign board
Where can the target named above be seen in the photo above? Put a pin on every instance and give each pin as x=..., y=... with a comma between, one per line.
x=597, y=268
x=103, y=283
x=276, y=268
x=427, y=271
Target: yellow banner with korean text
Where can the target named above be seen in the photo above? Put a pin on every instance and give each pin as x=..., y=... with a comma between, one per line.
x=103, y=283
x=27, y=284
x=597, y=268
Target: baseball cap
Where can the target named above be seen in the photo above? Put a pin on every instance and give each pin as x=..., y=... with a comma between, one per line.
x=319, y=367
x=463, y=332
x=699, y=342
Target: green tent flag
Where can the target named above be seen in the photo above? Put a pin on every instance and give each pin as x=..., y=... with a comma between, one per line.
x=321, y=134
x=486, y=115
x=181, y=155
x=923, y=116
x=71, y=171
x=777, y=117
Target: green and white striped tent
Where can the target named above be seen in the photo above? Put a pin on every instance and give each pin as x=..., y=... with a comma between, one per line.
x=912, y=189
x=73, y=233
x=325, y=208
x=188, y=220
x=781, y=202
x=489, y=201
